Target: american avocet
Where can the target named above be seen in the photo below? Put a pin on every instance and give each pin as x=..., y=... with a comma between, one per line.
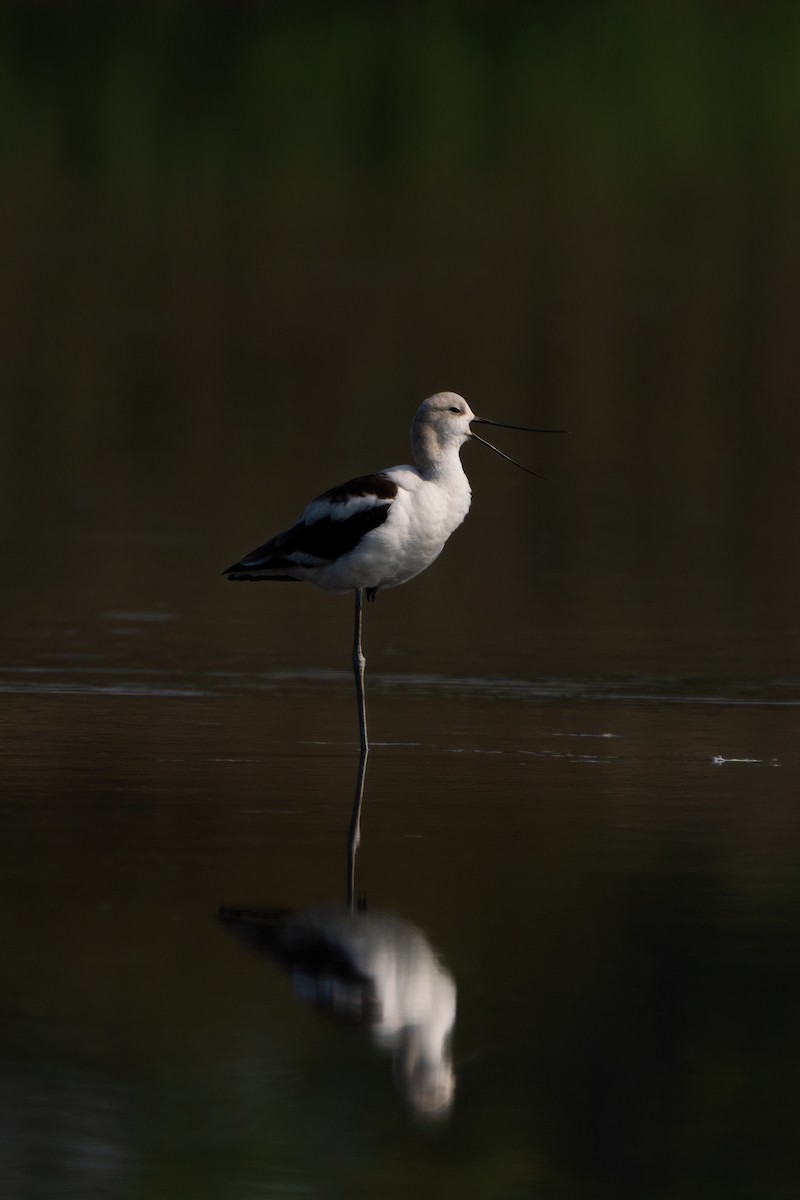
x=378, y=531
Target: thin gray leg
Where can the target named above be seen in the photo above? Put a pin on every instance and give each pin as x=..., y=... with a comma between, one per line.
x=359, y=666
x=354, y=834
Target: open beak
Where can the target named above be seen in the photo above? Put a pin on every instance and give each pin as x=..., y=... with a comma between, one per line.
x=521, y=428
x=502, y=425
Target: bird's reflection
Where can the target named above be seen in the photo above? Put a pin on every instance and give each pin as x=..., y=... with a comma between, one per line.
x=374, y=970
x=369, y=968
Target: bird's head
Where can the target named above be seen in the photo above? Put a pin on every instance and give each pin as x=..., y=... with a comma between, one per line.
x=445, y=417
x=444, y=420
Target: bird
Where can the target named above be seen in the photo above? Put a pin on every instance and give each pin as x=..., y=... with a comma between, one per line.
x=381, y=530
x=374, y=970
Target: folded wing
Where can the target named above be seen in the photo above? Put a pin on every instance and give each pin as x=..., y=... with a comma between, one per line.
x=332, y=525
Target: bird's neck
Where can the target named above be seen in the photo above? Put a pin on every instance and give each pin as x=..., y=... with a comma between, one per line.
x=434, y=460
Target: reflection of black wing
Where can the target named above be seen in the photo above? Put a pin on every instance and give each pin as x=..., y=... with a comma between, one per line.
x=320, y=968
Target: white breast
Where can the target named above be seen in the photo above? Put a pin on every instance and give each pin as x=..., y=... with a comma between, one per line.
x=423, y=515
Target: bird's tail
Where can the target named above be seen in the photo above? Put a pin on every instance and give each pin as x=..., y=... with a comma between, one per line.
x=237, y=574
x=270, y=561
x=264, y=563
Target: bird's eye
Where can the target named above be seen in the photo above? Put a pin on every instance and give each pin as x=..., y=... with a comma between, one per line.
x=456, y=410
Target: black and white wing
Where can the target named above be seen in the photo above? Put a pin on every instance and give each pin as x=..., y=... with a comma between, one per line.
x=332, y=525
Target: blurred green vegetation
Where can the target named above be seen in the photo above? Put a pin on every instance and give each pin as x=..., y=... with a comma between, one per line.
x=221, y=218
x=302, y=108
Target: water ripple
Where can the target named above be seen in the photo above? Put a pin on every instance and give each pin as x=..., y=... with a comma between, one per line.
x=95, y=680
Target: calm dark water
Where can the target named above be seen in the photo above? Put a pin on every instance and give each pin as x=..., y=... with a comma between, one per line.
x=609, y=875
x=230, y=276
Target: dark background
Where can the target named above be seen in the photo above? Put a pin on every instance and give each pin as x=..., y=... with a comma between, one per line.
x=240, y=243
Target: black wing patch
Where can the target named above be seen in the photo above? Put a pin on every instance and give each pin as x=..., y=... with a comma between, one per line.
x=326, y=539
x=378, y=485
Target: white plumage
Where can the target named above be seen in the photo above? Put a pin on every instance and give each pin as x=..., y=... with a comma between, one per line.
x=378, y=530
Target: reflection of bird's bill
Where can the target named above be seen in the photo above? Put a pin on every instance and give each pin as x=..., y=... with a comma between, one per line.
x=503, y=425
